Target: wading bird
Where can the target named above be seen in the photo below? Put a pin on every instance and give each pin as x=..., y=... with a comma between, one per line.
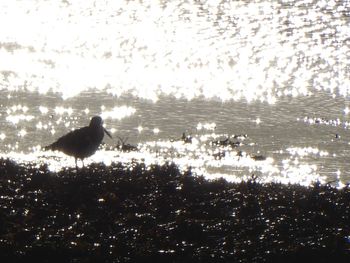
x=83, y=142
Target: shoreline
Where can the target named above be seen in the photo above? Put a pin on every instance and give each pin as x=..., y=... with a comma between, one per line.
x=118, y=214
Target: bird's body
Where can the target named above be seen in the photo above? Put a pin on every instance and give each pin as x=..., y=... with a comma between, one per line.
x=83, y=142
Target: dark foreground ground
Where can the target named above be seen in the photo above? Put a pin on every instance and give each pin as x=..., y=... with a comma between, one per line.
x=157, y=214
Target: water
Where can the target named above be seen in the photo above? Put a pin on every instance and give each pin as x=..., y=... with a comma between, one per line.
x=275, y=71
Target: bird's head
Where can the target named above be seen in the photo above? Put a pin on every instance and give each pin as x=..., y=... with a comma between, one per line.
x=97, y=122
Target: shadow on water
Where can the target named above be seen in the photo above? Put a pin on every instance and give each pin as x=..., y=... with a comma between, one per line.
x=119, y=214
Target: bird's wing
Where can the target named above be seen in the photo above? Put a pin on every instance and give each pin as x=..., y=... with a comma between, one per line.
x=72, y=140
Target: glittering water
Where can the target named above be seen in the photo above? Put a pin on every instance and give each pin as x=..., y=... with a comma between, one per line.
x=276, y=72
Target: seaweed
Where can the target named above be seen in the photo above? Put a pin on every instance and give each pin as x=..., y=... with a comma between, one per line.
x=139, y=213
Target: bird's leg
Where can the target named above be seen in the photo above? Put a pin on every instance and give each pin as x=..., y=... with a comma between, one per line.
x=76, y=163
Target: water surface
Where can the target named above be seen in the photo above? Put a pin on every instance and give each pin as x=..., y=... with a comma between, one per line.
x=274, y=71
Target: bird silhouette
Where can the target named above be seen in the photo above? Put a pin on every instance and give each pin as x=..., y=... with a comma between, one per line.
x=83, y=142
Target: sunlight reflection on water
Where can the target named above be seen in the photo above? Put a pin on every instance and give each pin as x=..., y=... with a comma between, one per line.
x=63, y=62
x=202, y=155
x=257, y=51
x=268, y=154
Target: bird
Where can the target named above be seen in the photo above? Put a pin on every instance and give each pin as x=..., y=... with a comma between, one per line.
x=83, y=142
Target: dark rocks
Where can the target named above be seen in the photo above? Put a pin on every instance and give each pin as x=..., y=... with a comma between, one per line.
x=158, y=214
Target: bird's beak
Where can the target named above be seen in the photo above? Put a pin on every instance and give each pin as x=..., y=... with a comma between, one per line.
x=107, y=132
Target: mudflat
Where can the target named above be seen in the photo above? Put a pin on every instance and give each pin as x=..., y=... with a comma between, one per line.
x=135, y=213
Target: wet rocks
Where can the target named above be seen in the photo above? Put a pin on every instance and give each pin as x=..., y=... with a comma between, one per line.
x=137, y=213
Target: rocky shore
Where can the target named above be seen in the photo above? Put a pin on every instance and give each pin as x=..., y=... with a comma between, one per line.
x=158, y=214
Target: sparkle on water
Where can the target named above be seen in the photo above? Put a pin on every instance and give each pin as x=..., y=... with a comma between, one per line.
x=118, y=113
x=257, y=51
x=231, y=51
x=201, y=156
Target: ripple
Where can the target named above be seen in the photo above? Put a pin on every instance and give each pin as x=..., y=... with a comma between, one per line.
x=255, y=51
x=118, y=113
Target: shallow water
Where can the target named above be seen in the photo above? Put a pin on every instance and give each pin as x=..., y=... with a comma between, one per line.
x=275, y=71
